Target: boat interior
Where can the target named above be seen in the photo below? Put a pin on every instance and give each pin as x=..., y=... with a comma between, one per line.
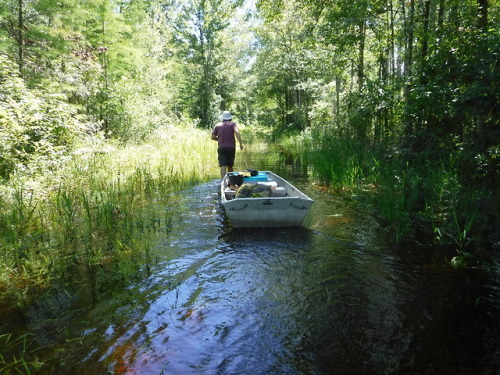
x=231, y=186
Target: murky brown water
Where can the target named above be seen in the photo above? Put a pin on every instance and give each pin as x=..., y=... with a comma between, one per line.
x=332, y=298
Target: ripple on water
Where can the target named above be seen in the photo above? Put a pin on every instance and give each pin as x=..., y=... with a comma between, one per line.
x=333, y=297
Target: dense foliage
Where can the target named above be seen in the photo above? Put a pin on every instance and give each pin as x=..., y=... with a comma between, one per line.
x=402, y=96
x=394, y=101
x=35, y=125
x=398, y=95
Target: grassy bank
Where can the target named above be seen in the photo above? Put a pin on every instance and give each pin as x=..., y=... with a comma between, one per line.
x=103, y=202
x=425, y=198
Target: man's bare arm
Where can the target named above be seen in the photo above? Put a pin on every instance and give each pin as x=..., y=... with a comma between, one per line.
x=238, y=137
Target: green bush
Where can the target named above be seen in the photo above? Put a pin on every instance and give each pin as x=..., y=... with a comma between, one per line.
x=33, y=123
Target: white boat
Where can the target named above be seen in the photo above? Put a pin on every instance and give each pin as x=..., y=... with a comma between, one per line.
x=287, y=206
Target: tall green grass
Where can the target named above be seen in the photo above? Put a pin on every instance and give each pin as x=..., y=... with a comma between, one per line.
x=417, y=197
x=14, y=352
x=105, y=201
x=342, y=164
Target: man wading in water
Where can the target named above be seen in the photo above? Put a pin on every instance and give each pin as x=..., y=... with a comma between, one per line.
x=224, y=133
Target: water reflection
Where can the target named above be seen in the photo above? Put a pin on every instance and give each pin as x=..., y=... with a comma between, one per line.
x=332, y=298
x=287, y=301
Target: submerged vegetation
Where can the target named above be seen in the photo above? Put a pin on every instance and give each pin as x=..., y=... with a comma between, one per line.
x=102, y=107
x=424, y=201
x=398, y=102
x=98, y=213
x=105, y=201
x=105, y=108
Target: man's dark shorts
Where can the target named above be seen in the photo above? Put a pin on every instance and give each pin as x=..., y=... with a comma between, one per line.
x=226, y=156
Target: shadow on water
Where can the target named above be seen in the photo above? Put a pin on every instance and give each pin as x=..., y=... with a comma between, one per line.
x=332, y=298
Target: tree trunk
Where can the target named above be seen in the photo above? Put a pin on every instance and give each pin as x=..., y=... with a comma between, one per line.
x=337, y=99
x=410, y=36
x=425, y=37
x=104, y=113
x=20, y=36
x=409, y=23
x=441, y=14
x=361, y=61
x=392, y=49
x=482, y=13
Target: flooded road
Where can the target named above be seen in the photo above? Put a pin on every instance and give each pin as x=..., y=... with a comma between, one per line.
x=332, y=298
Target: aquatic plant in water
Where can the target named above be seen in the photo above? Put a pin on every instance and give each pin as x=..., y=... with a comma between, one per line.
x=106, y=200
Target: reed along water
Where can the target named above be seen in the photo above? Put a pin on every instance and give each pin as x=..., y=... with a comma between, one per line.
x=334, y=297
